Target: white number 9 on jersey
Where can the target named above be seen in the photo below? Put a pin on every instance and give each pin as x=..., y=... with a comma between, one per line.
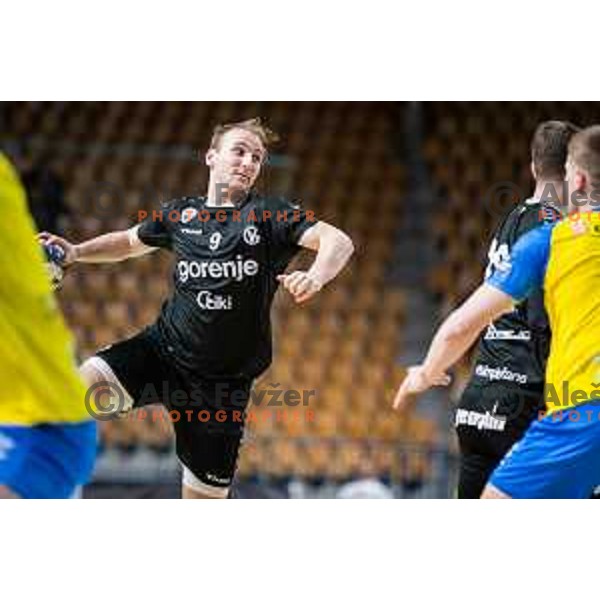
x=215, y=240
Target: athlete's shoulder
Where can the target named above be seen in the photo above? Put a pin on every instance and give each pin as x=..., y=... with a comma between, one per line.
x=525, y=269
x=532, y=213
x=538, y=236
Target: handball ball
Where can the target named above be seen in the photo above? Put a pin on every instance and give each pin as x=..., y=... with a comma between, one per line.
x=55, y=257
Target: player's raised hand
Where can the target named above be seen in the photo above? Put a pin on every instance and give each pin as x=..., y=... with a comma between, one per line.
x=46, y=238
x=416, y=382
x=301, y=285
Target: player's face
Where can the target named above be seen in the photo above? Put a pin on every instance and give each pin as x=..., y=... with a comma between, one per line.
x=237, y=161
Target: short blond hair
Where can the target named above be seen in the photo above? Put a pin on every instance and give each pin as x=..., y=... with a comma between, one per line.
x=267, y=136
x=584, y=151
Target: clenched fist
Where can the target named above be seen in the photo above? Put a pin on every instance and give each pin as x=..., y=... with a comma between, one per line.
x=301, y=285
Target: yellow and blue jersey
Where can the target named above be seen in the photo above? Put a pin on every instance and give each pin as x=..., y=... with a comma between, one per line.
x=40, y=383
x=563, y=259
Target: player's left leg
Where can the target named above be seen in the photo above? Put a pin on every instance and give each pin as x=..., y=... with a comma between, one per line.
x=480, y=453
x=209, y=459
x=474, y=471
x=208, y=436
x=192, y=488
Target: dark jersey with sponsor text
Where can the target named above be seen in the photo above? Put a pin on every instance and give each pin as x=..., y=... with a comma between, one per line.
x=512, y=351
x=505, y=392
x=516, y=345
x=217, y=322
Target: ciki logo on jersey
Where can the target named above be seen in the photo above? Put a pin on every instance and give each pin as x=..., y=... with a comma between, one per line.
x=208, y=301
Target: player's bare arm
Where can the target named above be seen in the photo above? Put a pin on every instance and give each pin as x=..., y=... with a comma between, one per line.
x=455, y=336
x=333, y=247
x=110, y=247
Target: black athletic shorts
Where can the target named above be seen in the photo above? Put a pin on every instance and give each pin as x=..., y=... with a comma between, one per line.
x=489, y=420
x=207, y=415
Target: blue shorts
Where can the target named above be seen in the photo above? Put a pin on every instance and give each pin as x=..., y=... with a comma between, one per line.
x=47, y=461
x=559, y=457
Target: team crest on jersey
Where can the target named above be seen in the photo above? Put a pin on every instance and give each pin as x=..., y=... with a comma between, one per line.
x=251, y=235
x=188, y=214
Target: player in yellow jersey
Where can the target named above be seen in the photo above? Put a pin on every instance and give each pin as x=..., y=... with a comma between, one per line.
x=47, y=438
x=559, y=457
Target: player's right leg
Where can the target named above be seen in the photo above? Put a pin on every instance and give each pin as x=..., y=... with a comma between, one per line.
x=124, y=375
x=107, y=395
x=207, y=451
